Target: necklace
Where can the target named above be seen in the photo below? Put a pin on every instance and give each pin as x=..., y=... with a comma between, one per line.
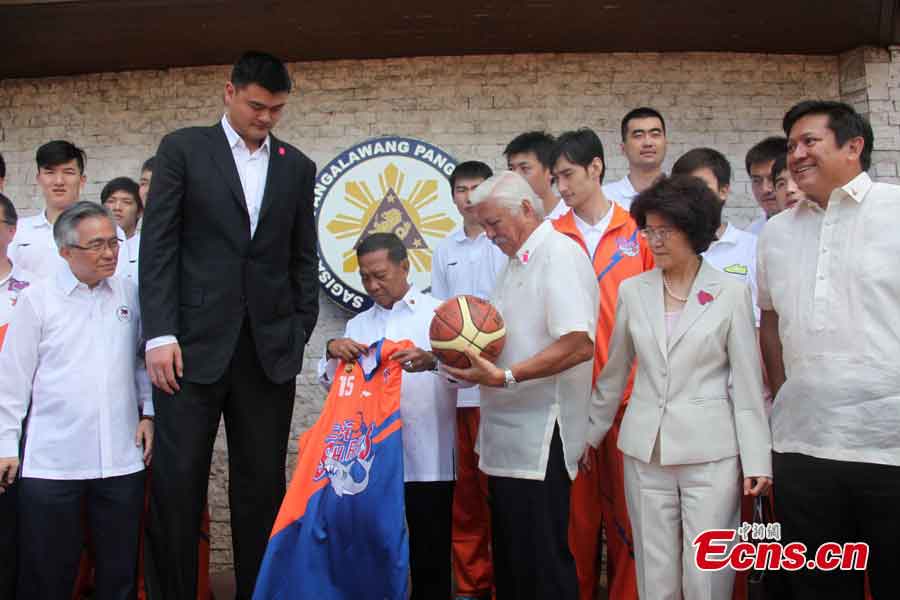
x=671, y=293
x=669, y=290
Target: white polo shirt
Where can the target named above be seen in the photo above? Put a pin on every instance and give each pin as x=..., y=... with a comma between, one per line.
x=548, y=290
x=11, y=287
x=834, y=279
x=462, y=265
x=592, y=234
x=72, y=356
x=34, y=249
x=735, y=254
x=427, y=405
x=620, y=191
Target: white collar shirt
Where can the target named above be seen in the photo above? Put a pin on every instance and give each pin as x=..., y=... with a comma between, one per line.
x=252, y=168
x=735, y=254
x=463, y=265
x=72, y=355
x=833, y=278
x=592, y=234
x=427, y=404
x=547, y=291
x=621, y=191
x=11, y=287
x=130, y=248
x=34, y=249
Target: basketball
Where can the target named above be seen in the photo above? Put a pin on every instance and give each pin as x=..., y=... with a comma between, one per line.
x=463, y=322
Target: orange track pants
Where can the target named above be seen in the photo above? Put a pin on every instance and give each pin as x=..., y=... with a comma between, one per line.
x=472, y=567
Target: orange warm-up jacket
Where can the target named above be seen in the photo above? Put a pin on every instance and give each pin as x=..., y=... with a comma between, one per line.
x=621, y=253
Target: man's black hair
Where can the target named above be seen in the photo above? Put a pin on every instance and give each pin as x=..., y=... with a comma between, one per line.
x=122, y=184
x=262, y=69
x=708, y=158
x=471, y=169
x=579, y=147
x=9, y=211
x=843, y=121
x=766, y=150
x=383, y=241
x=58, y=152
x=149, y=164
x=644, y=112
x=538, y=142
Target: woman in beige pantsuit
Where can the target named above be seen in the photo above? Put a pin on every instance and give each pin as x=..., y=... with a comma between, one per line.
x=695, y=426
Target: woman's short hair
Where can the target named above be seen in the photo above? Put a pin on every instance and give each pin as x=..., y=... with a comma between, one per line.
x=687, y=203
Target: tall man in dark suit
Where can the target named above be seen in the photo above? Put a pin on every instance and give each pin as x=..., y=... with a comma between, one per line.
x=229, y=295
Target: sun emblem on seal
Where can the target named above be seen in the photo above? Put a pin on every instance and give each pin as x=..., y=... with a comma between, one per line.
x=383, y=185
x=398, y=208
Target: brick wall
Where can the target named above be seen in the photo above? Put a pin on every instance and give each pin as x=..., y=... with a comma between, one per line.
x=470, y=106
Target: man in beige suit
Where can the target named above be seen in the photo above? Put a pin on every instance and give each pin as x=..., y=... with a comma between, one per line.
x=685, y=440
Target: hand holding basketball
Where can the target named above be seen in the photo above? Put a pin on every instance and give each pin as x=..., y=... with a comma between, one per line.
x=466, y=322
x=482, y=371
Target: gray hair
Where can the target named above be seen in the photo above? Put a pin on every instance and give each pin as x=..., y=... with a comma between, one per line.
x=65, y=229
x=509, y=189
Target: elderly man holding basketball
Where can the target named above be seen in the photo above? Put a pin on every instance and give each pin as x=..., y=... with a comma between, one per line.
x=534, y=400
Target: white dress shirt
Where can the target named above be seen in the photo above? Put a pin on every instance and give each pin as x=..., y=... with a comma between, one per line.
x=130, y=248
x=547, y=291
x=462, y=265
x=11, y=287
x=72, y=356
x=34, y=249
x=592, y=234
x=833, y=278
x=427, y=405
x=735, y=254
x=252, y=168
x=621, y=191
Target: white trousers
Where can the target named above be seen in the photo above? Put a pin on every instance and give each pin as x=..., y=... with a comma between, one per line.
x=668, y=507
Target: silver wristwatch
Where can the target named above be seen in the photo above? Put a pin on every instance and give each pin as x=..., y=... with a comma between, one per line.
x=510, y=381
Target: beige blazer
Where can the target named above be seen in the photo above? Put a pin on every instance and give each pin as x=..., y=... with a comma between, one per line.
x=681, y=391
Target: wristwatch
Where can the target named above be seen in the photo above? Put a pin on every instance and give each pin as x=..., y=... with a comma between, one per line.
x=510, y=381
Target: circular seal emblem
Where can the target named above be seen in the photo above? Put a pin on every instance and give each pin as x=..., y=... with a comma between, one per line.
x=384, y=185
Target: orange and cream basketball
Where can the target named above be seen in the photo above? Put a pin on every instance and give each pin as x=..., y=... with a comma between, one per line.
x=466, y=322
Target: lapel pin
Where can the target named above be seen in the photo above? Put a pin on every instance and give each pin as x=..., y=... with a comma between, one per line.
x=704, y=297
x=281, y=150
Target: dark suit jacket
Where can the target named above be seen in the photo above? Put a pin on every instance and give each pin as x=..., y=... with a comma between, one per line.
x=200, y=271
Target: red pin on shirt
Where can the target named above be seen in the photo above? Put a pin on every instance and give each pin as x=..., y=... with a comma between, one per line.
x=281, y=150
x=704, y=297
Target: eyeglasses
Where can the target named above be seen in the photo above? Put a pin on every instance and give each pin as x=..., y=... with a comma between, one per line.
x=658, y=233
x=99, y=245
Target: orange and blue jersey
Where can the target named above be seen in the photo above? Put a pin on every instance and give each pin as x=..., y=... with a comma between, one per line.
x=341, y=531
x=621, y=253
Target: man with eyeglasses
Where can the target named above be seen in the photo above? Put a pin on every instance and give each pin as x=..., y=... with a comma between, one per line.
x=60, y=176
x=758, y=162
x=71, y=357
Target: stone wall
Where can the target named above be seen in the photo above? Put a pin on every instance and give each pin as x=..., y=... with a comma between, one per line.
x=470, y=106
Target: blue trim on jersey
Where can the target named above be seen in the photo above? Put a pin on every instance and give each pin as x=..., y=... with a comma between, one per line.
x=377, y=345
x=615, y=258
x=345, y=547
